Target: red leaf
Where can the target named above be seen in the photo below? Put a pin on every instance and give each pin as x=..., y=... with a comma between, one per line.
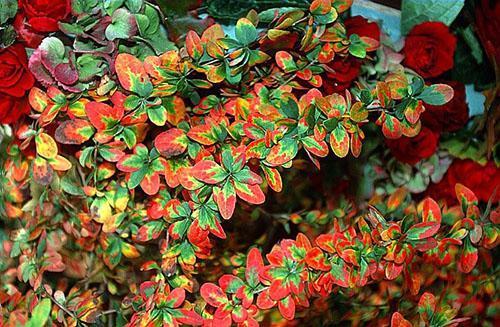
x=172, y=142
x=176, y=297
x=431, y=211
x=150, y=184
x=194, y=47
x=397, y=320
x=250, y=193
x=75, y=131
x=131, y=72
x=103, y=116
x=316, y=259
x=264, y=301
x=209, y=171
x=225, y=198
x=287, y=307
x=427, y=305
x=213, y=295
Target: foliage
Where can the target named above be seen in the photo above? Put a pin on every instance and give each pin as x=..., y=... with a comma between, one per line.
x=132, y=191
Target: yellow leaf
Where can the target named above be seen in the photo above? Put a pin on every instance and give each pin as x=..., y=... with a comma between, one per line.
x=46, y=146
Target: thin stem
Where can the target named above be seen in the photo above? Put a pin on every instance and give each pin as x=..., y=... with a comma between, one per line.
x=63, y=308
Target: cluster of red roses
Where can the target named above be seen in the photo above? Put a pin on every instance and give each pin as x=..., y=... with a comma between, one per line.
x=34, y=20
x=429, y=50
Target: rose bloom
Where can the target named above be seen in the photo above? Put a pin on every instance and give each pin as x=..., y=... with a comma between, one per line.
x=413, y=149
x=362, y=27
x=346, y=70
x=429, y=49
x=16, y=82
x=43, y=15
x=482, y=180
x=451, y=116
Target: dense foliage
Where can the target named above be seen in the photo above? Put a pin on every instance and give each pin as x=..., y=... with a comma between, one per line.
x=149, y=181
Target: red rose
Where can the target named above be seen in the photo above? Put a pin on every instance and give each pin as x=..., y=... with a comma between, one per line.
x=360, y=26
x=482, y=180
x=16, y=81
x=429, y=49
x=11, y=108
x=413, y=149
x=43, y=15
x=451, y=116
x=25, y=33
x=345, y=71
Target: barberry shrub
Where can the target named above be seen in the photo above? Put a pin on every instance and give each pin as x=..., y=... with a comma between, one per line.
x=156, y=185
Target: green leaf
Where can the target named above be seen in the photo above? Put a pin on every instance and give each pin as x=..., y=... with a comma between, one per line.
x=357, y=47
x=414, y=12
x=436, y=94
x=245, y=31
x=157, y=115
x=123, y=25
x=471, y=40
x=8, y=9
x=134, y=5
x=79, y=7
x=40, y=314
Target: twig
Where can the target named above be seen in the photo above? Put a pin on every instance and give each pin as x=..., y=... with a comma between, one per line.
x=63, y=308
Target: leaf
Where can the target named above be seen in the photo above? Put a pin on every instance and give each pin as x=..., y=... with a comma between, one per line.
x=176, y=298
x=254, y=264
x=75, y=131
x=283, y=152
x=414, y=12
x=250, y=193
x=46, y=146
x=245, y=31
x=209, y=171
x=150, y=231
x=357, y=47
x=150, y=182
x=391, y=127
x=131, y=163
x=468, y=258
x=284, y=60
x=273, y=178
x=60, y=163
x=123, y=25
x=436, y=94
x=397, y=320
x=132, y=74
x=213, y=295
x=316, y=259
x=427, y=306
x=320, y=7
x=431, y=211
x=202, y=134
x=225, y=197
x=103, y=116
x=171, y=143
x=39, y=100
x=339, y=141
x=287, y=307
x=40, y=314
x=194, y=46
x=318, y=148
x=157, y=115
x=423, y=230
x=8, y=9
x=230, y=283
x=465, y=196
